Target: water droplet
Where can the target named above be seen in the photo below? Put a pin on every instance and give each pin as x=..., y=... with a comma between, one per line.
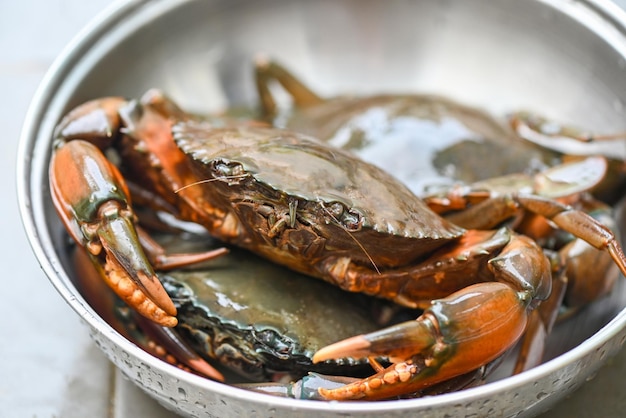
x=182, y=394
x=541, y=395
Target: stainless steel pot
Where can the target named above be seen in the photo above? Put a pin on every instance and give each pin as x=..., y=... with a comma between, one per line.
x=561, y=58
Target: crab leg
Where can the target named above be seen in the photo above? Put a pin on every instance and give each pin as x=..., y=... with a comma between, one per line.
x=579, y=224
x=497, y=207
x=266, y=71
x=455, y=335
x=162, y=260
x=590, y=273
x=495, y=195
x=166, y=344
x=524, y=122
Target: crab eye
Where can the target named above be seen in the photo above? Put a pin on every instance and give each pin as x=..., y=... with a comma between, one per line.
x=335, y=210
x=350, y=218
x=227, y=170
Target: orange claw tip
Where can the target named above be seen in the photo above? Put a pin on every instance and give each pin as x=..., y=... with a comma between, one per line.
x=173, y=345
x=206, y=369
x=155, y=291
x=357, y=347
x=166, y=321
x=124, y=253
x=404, y=339
x=147, y=308
x=399, y=341
x=130, y=291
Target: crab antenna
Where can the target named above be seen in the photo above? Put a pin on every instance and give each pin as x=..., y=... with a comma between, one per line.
x=195, y=183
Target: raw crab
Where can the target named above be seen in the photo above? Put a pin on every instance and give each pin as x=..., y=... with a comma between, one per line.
x=253, y=317
x=444, y=151
x=317, y=210
x=429, y=141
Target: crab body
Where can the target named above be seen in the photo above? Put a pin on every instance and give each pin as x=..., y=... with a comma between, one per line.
x=254, y=318
x=292, y=198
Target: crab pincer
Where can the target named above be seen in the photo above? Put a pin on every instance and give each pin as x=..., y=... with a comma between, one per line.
x=93, y=202
x=456, y=334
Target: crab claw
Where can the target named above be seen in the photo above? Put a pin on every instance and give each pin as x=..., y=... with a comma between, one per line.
x=456, y=335
x=92, y=201
x=168, y=345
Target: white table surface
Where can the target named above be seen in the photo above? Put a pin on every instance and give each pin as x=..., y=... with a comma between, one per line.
x=48, y=365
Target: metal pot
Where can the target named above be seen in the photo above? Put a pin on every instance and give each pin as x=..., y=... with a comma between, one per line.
x=564, y=59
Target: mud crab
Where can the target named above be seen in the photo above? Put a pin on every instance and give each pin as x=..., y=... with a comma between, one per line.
x=317, y=210
x=443, y=151
x=240, y=312
x=436, y=141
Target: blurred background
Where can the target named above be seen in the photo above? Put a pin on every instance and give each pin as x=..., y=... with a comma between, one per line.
x=48, y=365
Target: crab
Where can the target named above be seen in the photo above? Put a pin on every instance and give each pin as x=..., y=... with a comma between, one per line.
x=443, y=150
x=436, y=141
x=315, y=209
x=241, y=314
